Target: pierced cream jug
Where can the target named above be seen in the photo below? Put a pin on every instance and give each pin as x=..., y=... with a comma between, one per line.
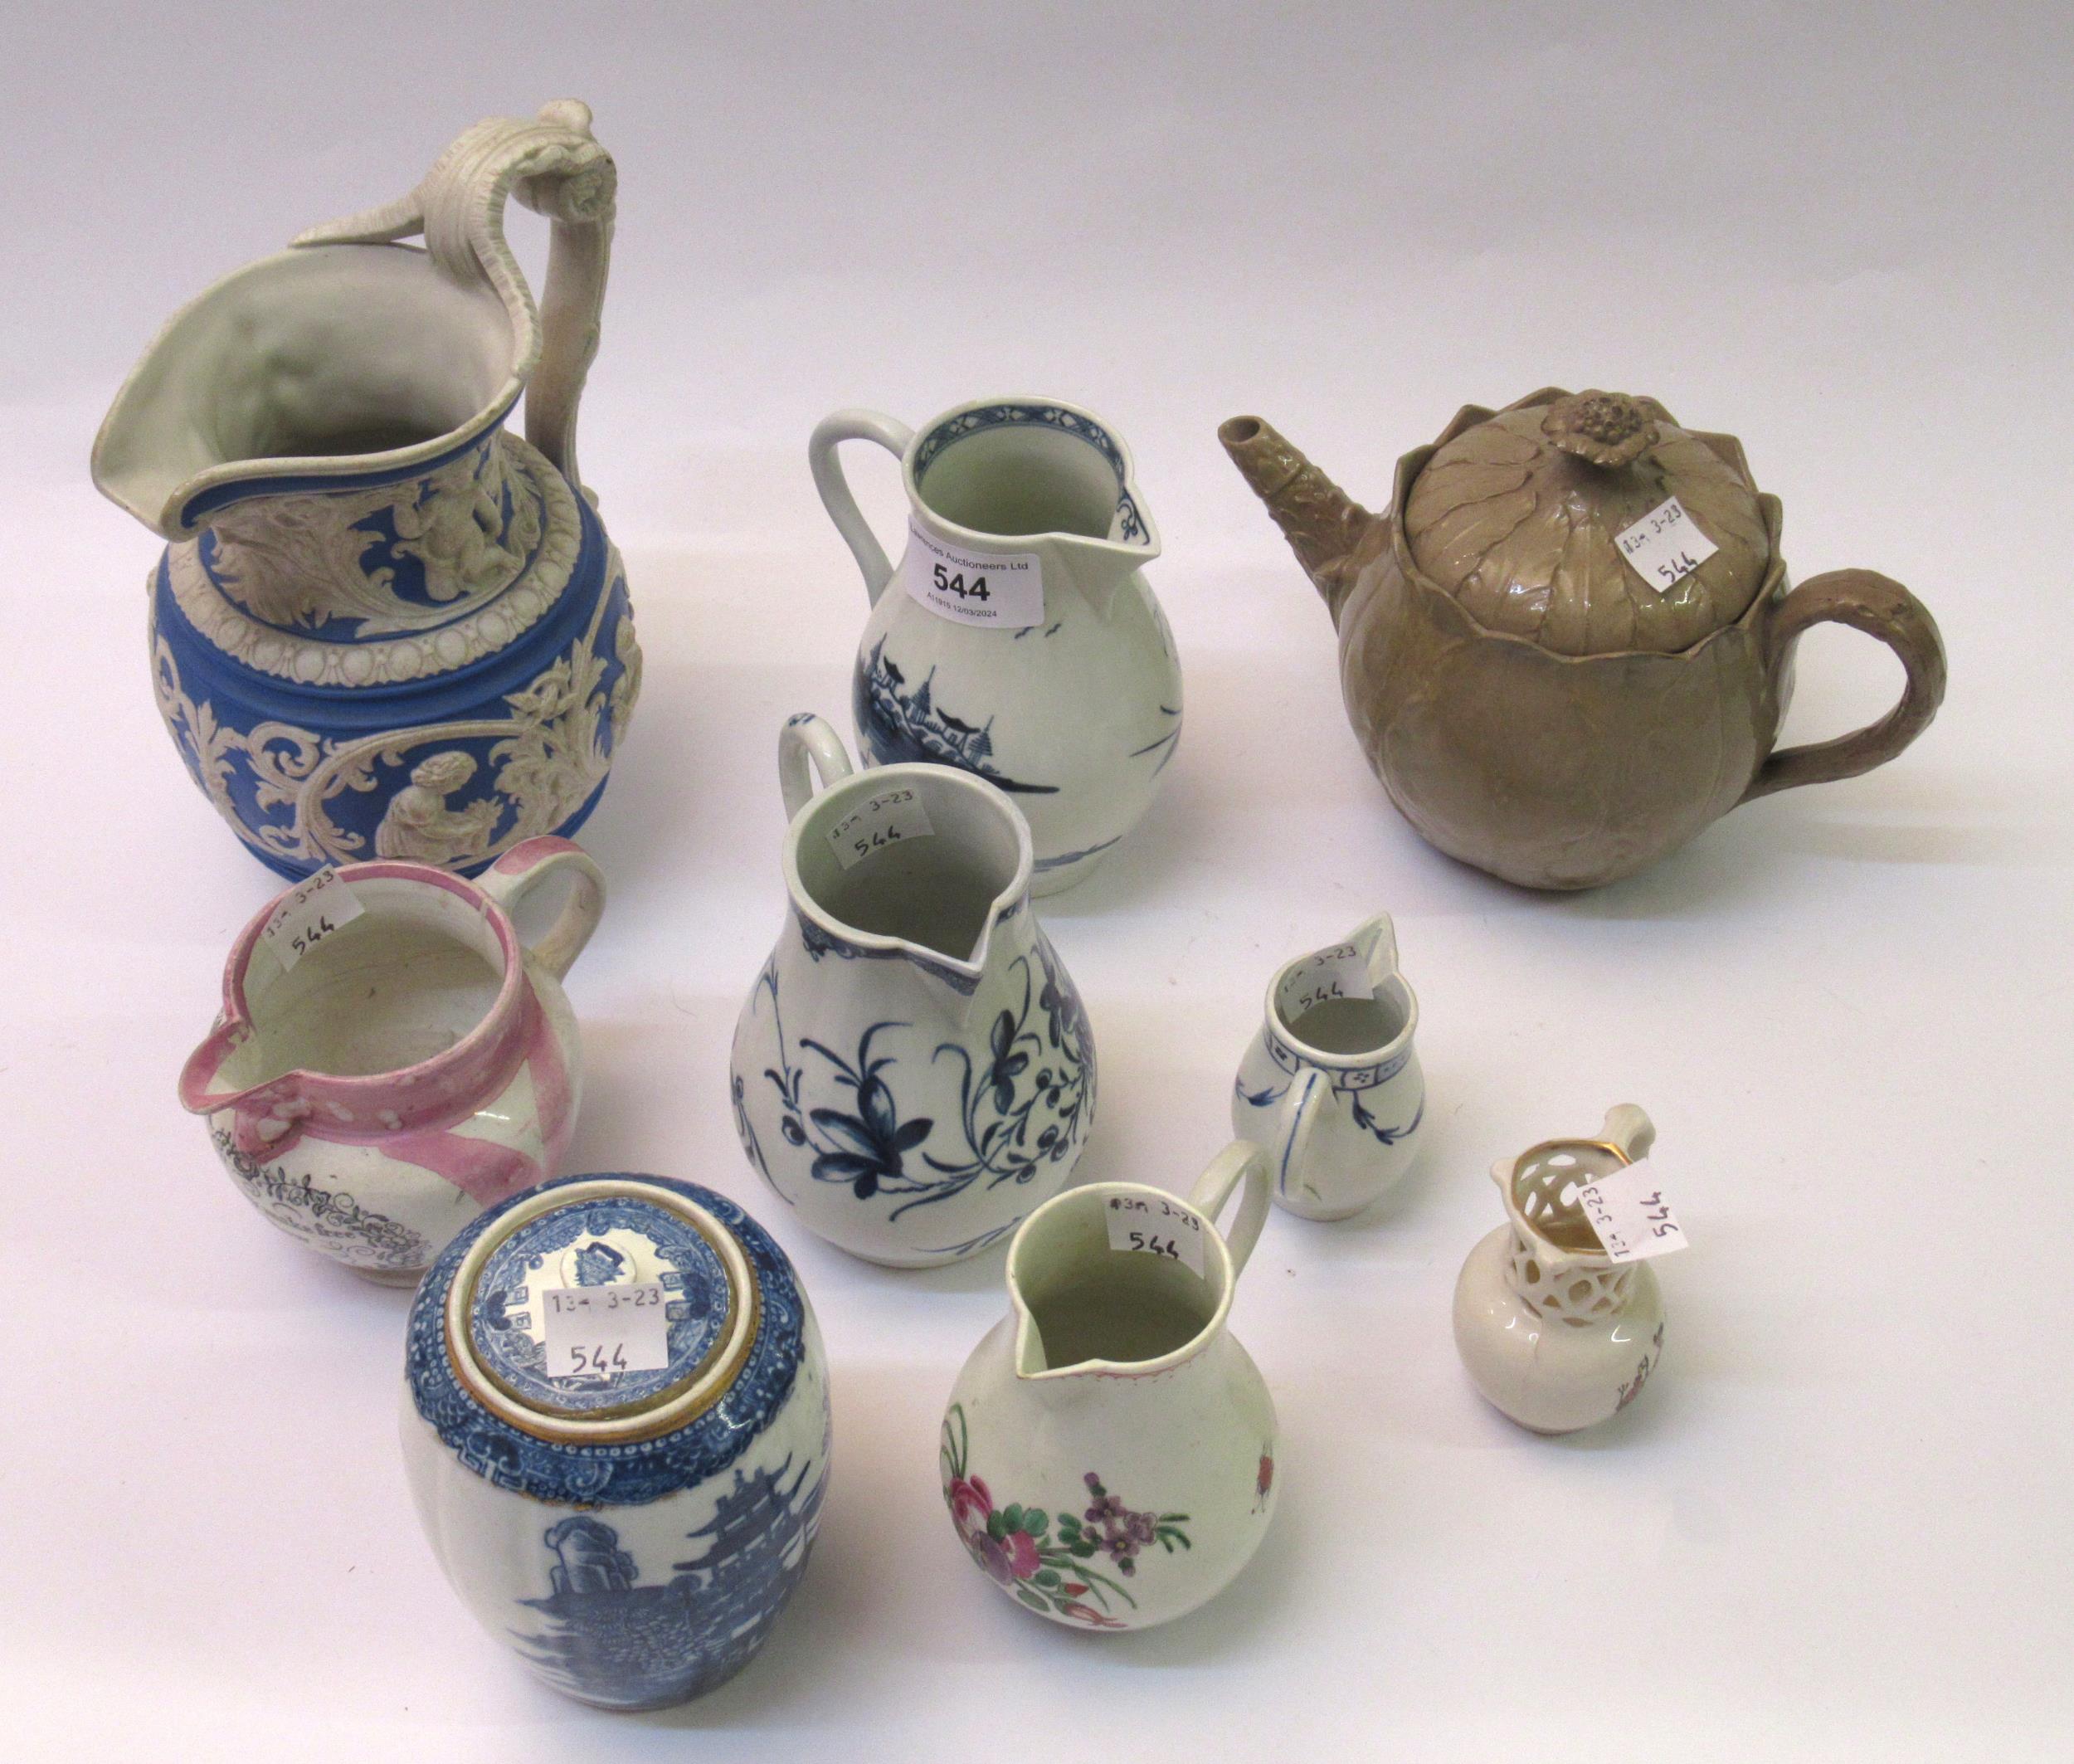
x=1022, y=643
x=912, y=1071
x=1555, y=1333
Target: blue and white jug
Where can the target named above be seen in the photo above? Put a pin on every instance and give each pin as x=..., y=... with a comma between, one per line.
x=912, y=1071
x=1020, y=641
x=383, y=627
x=1330, y=1085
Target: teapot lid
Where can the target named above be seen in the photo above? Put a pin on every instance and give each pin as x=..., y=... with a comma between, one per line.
x=700, y=1320
x=1517, y=515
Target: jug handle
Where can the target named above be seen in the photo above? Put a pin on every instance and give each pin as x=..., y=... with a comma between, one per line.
x=804, y=737
x=523, y=869
x=1242, y=1159
x=1296, y=1118
x=829, y=433
x=1881, y=607
x=552, y=164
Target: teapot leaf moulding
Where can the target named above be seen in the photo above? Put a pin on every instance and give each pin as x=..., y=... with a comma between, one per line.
x=1531, y=702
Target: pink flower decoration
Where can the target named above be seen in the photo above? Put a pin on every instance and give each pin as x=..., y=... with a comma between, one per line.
x=1022, y=1555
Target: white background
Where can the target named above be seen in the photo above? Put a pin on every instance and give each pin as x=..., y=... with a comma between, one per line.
x=1836, y=1526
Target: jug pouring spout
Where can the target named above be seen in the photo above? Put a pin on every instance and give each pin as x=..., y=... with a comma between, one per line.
x=1323, y=524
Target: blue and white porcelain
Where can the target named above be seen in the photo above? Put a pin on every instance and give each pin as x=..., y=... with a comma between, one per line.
x=1021, y=642
x=633, y=1535
x=1330, y=1085
x=382, y=626
x=913, y=1070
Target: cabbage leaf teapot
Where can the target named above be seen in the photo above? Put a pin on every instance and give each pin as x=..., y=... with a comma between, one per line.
x=1567, y=645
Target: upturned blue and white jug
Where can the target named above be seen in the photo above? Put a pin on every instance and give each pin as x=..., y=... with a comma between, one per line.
x=912, y=1071
x=1020, y=641
x=615, y=1428
x=383, y=627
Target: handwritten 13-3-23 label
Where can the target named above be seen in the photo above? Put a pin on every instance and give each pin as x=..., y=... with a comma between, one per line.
x=1628, y=1211
x=600, y=1331
x=1004, y=590
x=1341, y=972
x=879, y=822
x=1665, y=546
x=1146, y=1224
x=320, y=906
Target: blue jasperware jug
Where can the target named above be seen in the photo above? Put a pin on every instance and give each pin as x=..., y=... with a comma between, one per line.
x=382, y=626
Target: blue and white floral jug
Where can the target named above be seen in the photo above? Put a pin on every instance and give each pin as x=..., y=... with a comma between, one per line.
x=1330, y=1085
x=383, y=628
x=913, y=1070
x=1019, y=641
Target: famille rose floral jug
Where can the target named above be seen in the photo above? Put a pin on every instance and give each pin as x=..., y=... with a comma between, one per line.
x=391, y=1057
x=1108, y=1454
x=912, y=1071
x=383, y=628
x=1331, y=1085
x=615, y=1428
x=1555, y=1333
x=1567, y=645
x=1019, y=641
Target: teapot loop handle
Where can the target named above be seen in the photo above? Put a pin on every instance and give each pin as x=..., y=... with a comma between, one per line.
x=528, y=863
x=1242, y=1159
x=1881, y=607
x=829, y=434
x=555, y=166
x=805, y=739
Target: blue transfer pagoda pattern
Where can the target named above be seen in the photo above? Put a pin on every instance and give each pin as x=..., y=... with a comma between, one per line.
x=434, y=668
x=897, y=722
x=628, y=1472
x=1129, y=526
x=574, y=1246
x=1026, y=1102
x=609, y=1637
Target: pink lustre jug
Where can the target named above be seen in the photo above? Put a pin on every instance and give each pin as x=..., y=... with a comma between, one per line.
x=390, y=1058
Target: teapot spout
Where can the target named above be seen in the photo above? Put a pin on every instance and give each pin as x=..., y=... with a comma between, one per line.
x=1321, y=522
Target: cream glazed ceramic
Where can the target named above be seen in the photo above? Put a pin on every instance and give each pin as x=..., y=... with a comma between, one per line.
x=419, y=1064
x=1109, y=1454
x=1331, y=1085
x=913, y=1072
x=1074, y=713
x=632, y=1535
x=1554, y=1332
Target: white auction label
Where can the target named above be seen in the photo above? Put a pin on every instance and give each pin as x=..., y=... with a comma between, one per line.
x=320, y=906
x=879, y=822
x=1341, y=972
x=1665, y=546
x=1627, y=1211
x=1145, y=1224
x=1004, y=590
x=600, y=1331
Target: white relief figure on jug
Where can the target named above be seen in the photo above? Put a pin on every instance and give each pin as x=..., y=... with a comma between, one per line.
x=367, y=579
x=1017, y=638
x=1331, y=1083
x=1558, y=1319
x=1109, y=1454
x=912, y=1071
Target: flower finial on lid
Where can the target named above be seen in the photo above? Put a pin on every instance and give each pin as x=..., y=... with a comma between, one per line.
x=1607, y=429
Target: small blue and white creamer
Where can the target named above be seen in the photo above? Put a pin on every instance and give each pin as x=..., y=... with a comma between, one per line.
x=615, y=1428
x=383, y=628
x=1331, y=1085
